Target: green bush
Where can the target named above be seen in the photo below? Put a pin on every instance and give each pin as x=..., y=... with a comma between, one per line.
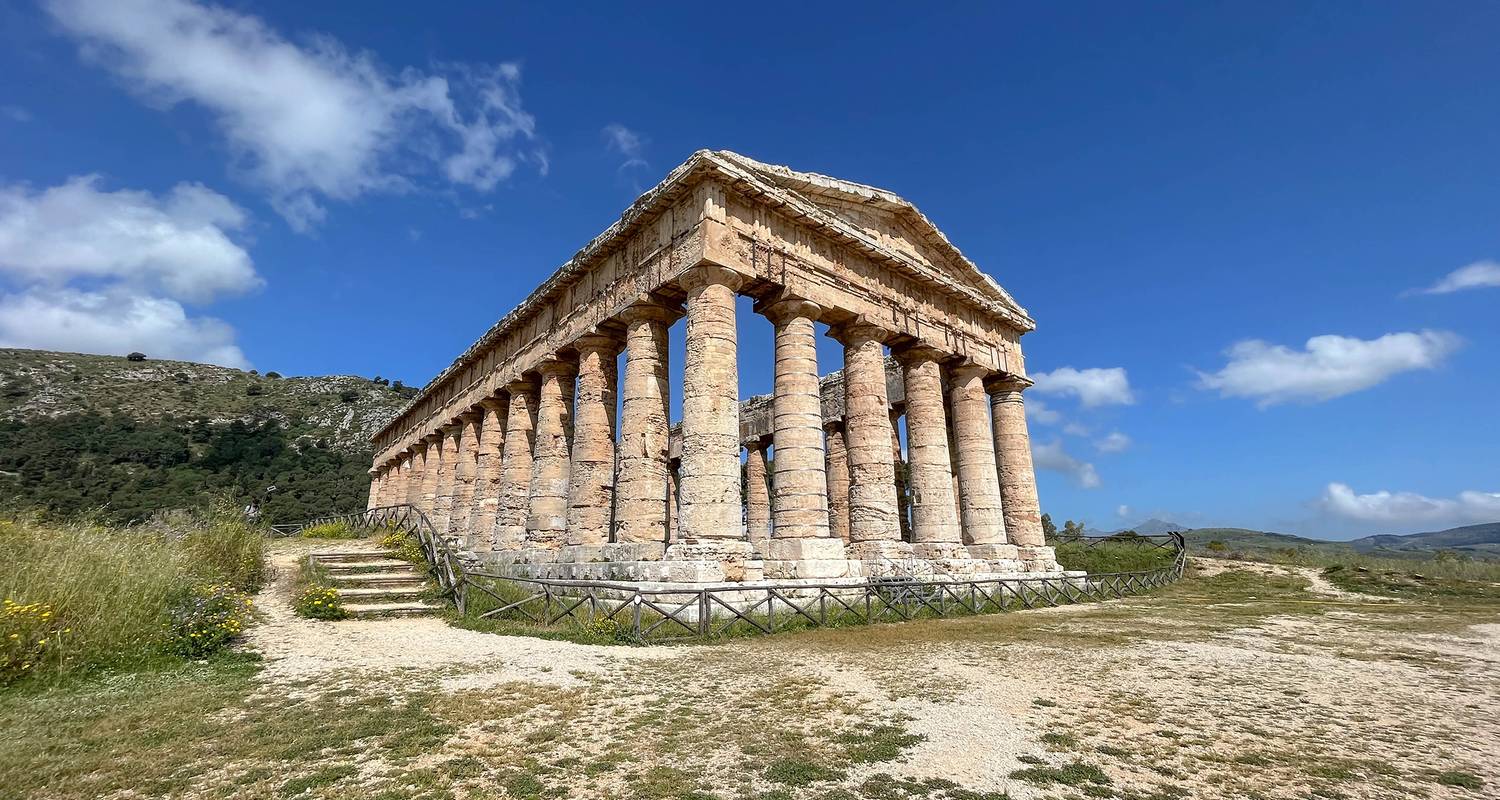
x=1122, y=556
x=403, y=544
x=330, y=530
x=81, y=596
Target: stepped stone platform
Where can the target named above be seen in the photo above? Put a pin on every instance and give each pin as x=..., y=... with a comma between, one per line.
x=373, y=585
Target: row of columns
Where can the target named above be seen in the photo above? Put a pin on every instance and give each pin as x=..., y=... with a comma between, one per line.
x=536, y=465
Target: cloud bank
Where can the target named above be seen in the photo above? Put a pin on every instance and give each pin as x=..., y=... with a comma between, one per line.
x=1092, y=387
x=1052, y=456
x=1398, y=508
x=1478, y=275
x=104, y=272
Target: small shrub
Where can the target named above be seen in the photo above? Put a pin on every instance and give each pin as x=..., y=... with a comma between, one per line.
x=348, y=395
x=135, y=357
x=609, y=630
x=254, y=390
x=403, y=544
x=320, y=602
x=330, y=530
x=1463, y=780
x=206, y=619
x=273, y=375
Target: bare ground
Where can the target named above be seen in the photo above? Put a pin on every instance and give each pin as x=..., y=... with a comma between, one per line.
x=1243, y=681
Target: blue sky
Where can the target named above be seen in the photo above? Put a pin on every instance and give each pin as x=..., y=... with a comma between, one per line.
x=1260, y=240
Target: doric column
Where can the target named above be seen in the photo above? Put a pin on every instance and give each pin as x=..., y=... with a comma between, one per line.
x=431, y=461
x=1023, y=517
x=836, y=468
x=799, y=504
x=465, y=465
x=487, y=472
x=447, y=449
x=547, y=521
x=709, y=494
x=935, y=530
x=902, y=473
x=978, y=485
x=515, y=466
x=591, y=476
x=416, y=460
x=641, y=509
x=375, y=477
x=873, y=446
x=757, y=495
x=674, y=511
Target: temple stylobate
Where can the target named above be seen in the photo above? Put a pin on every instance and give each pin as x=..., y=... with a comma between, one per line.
x=547, y=449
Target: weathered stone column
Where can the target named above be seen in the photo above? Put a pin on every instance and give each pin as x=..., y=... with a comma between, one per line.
x=709, y=495
x=547, y=521
x=374, y=500
x=431, y=461
x=757, y=495
x=1023, y=517
x=978, y=484
x=674, y=512
x=515, y=466
x=641, y=489
x=902, y=475
x=799, y=505
x=416, y=457
x=487, y=473
x=465, y=465
x=836, y=467
x=442, y=508
x=591, y=476
x=935, y=529
x=873, y=447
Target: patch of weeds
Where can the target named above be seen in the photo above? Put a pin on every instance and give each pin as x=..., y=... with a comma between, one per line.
x=1026, y=758
x=1253, y=759
x=321, y=777
x=1060, y=741
x=876, y=743
x=1459, y=778
x=1331, y=772
x=1042, y=702
x=463, y=767
x=1077, y=773
x=1111, y=751
x=797, y=772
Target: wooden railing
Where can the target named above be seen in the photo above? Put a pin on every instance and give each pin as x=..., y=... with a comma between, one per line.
x=632, y=612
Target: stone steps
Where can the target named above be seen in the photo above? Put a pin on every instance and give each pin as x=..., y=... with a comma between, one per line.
x=373, y=585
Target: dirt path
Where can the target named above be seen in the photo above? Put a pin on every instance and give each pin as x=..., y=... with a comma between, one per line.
x=1198, y=690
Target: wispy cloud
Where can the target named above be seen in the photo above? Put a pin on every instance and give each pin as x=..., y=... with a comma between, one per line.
x=1478, y=275
x=1113, y=442
x=311, y=122
x=1052, y=456
x=627, y=143
x=1092, y=387
x=1399, y=508
x=15, y=114
x=1327, y=367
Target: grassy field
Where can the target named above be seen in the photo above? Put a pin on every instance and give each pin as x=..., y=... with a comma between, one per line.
x=1244, y=681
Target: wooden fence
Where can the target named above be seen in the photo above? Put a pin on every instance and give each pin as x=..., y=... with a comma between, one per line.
x=631, y=611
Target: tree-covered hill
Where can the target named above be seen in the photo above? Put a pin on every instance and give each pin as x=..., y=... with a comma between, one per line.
x=130, y=437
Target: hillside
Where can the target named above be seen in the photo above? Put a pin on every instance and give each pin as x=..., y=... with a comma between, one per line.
x=1474, y=539
x=126, y=438
x=1477, y=541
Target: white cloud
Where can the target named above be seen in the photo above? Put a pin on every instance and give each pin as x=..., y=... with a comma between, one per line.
x=1092, y=387
x=1051, y=456
x=1076, y=429
x=177, y=244
x=1040, y=413
x=1113, y=442
x=103, y=272
x=15, y=113
x=1122, y=511
x=1409, y=507
x=1329, y=366
x=312, y=121
x=116, y=322
x=1478, y=275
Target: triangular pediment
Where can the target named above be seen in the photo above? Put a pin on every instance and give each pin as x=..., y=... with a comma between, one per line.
x=884, y=219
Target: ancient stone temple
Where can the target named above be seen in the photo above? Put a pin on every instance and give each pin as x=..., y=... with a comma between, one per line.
x=547, y=448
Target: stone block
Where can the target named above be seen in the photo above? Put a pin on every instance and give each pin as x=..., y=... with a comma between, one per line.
x=815, y=548
x=939, y=551
x=879, y=551
x=811, y=568
x=995, y=552
x=634, y=551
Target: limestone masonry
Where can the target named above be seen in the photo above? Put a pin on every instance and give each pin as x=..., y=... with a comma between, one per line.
x=516, y=454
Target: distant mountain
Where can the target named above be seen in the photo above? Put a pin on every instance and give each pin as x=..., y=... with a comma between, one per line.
x=1478, y=541
x=1483, y=538
x=1154, y=526
x=128, y=438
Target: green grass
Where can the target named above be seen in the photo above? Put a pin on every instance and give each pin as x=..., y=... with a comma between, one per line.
x=83, y=596
x=1463, y=780
x=1113, y=557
